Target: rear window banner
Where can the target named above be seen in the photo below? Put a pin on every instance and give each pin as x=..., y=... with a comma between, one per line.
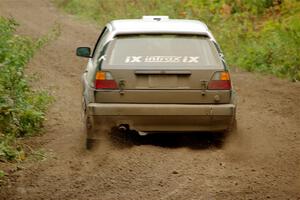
x=162, y=51
x=162, y=59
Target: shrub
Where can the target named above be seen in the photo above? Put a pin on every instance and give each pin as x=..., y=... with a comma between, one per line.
x=22, y=110
x=260, y=35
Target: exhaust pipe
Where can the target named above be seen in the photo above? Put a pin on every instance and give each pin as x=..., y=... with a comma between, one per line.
x=123, y=127
x=141, y=133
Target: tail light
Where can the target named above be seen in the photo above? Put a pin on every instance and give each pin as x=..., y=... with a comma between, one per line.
x=220, y=81
x=104, y=80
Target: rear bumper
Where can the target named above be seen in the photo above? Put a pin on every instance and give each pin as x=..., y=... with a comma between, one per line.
x=105, y=109
x=163, y=117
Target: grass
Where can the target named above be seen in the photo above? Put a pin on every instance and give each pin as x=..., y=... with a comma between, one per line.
x=22, y=109
x=255, y=35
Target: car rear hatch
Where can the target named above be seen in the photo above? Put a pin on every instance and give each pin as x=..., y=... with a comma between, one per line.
x=161, y=69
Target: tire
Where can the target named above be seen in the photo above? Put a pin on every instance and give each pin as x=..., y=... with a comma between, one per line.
x=89, y=143
x=232, y=130
x=88, y=131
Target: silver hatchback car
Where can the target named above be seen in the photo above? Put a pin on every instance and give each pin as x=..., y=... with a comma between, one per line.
x=156, y=74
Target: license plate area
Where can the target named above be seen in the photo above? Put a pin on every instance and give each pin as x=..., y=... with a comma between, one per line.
x=162, y=81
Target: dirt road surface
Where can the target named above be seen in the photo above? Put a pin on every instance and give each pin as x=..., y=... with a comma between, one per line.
x=260, y=161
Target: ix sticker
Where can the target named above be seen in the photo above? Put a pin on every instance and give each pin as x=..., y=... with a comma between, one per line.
x=162, y=59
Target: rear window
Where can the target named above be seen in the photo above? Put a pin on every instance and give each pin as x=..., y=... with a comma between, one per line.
x=162, y=51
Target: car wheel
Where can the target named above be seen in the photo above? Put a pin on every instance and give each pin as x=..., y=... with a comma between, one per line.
x=89, y=143
x=233, y=128
x=88, y=130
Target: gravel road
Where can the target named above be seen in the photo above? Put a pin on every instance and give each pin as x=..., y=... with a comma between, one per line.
x=260, y=161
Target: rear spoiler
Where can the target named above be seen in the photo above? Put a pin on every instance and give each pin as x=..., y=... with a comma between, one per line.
x=130, y=34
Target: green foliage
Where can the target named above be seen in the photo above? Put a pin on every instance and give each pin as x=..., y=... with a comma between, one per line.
x=103, y=11
x=263, y=40
x=38, y=155
x=257, y=35
x=22, y=110
x=2, y=174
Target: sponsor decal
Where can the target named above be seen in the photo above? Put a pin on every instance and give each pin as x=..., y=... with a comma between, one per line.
x=162, y=59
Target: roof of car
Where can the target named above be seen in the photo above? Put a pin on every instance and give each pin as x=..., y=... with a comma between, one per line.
x=159, y=24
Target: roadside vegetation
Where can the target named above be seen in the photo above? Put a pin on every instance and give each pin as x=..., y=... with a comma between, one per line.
x=22, y=109
x=261, y=36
